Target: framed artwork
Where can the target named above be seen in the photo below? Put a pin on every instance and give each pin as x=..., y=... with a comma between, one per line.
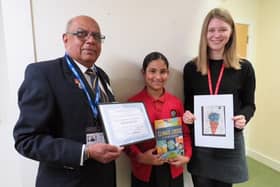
x=214, y=125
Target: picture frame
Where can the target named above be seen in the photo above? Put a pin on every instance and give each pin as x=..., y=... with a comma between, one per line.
x=125, y=123
x=214, y=127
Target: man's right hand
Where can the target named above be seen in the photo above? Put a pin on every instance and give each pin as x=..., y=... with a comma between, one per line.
x=103, y=153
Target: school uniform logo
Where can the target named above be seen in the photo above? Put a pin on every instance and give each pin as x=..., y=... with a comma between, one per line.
x=173, y=113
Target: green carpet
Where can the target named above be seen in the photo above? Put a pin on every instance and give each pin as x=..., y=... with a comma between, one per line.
x=260, y=176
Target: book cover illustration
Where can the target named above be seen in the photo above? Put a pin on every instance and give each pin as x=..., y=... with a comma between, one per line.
x=169, y=137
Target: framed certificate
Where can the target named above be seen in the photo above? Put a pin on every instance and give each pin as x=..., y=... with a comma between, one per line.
x=214, y=125
x=125, y=123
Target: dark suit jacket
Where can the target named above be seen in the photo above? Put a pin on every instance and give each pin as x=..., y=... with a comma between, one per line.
x=54, y=113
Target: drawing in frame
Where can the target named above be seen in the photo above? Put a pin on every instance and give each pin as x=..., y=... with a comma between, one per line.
x=214, y=125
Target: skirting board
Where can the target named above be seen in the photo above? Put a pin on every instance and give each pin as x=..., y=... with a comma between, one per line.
x=274, y=164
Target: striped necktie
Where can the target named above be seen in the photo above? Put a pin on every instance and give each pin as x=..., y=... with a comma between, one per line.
x=94, y=84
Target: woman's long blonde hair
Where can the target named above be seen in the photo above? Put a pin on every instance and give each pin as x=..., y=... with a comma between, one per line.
x=230, y=55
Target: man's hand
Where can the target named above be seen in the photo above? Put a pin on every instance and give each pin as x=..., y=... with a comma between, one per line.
x=103, y=153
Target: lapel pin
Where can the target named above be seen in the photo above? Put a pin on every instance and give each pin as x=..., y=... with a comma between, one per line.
x=77, y=82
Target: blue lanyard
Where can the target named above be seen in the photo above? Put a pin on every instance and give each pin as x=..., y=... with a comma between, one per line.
x=93, y=105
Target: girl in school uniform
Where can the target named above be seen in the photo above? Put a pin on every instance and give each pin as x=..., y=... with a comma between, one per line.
x=148, y=168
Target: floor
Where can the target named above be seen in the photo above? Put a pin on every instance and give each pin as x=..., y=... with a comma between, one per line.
x=261, y=176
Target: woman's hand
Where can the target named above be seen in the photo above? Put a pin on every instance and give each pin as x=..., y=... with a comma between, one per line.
x=188, y=117
x=239, y=121
x=150, y=157
x=179, y=160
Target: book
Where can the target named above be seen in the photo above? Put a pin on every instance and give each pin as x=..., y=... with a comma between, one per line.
x=169, y=137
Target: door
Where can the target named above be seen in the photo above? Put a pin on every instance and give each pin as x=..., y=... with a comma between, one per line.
x=242, y=39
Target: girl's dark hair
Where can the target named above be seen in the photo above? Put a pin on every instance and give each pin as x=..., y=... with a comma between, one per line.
x=153, y=56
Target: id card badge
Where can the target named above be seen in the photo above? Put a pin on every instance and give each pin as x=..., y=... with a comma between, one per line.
x=94, y=135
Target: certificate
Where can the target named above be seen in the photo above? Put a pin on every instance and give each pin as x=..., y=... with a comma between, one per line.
x=214, y=125
x=125, y=123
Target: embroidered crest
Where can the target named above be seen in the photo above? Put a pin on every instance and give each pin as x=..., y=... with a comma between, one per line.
x=173, y=113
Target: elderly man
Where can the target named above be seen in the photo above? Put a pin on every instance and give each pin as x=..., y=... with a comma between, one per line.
x=59, y=124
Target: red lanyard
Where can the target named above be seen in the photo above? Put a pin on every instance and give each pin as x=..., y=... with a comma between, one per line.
x=218, y=81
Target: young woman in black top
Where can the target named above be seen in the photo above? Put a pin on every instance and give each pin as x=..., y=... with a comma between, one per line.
x=218, y=70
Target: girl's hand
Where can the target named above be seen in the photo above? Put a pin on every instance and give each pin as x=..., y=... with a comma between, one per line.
x=179, y=160
x=150, y=157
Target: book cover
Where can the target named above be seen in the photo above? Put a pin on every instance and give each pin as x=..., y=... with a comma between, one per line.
x=169, y=137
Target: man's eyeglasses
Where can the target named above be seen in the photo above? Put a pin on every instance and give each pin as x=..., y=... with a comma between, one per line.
x=84, y=35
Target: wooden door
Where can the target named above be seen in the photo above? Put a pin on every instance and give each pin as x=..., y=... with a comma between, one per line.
x=242, y=39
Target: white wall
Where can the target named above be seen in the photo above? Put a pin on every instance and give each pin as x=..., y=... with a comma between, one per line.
x=132, y=28
x=3, y=73
x=16, y=52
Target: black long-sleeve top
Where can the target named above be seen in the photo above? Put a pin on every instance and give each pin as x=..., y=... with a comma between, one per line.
x=241, y=83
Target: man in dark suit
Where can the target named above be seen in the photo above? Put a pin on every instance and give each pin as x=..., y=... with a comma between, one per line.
x=59, y=124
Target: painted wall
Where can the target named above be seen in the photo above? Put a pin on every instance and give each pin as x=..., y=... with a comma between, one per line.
x=264, y=136
x=264, y=38
x=3, y=67
x=16, y=51
x=132, y=29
